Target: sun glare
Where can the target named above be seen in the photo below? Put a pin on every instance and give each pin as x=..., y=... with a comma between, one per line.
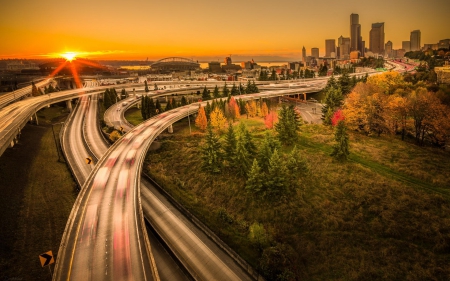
x=69, y=56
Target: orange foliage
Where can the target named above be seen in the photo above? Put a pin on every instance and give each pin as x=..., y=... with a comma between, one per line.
x=201, y=122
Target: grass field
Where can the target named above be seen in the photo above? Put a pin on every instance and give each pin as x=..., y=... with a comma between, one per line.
x=37, y=196
x=383, y=215
x=133, y=115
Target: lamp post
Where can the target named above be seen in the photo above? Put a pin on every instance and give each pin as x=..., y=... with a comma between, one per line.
x=189, y=119
x=56, y=143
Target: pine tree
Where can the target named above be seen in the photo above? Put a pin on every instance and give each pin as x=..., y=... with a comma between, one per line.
x=248, y=88
x=297, y=167
x=266, y=150
x=146, y=87
x=208, y=109
x=254, y=182
x=230, y=144
x=144, y=112
x=211, y=152
x=151, y=111
x=340, y=149
x=225, y=91
x=288, y=125
x=201, y=122
x=345, y=83
x=34, y=90
x=158, y=107
x=205, y=94
x=216, y=92
x=183, y=101
x=234, y=90
x=276, y=183
x=333, y=100
x=242, y=158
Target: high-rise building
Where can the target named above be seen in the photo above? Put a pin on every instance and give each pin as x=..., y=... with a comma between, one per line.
x=376, y=43
x=388, y=49
x=355, y=33
x=315, y=53
x=415, y=40
x=344, y=47
x=406, y=45
x=227, y=61
x=330, y=47
x=304, y=54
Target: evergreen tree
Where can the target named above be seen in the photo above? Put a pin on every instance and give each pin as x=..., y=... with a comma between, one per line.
x=333, y=100
x=268, y=146
x=205, y=94
x=277, y=176
x=241, y=89
x=155, y=87
x=288, y=125
x=225, y=91
x=34, y=90
x=273, y=75
x=216, y=92
x=340, y=149
x=230, y=144
x=248, y=89
x=345, y=83
x=254, y=182
x=208, y=109
x=242, y=158
x=234, y=90
x=211, y=152
x=183, y=101
x=144, y=108
x=146, y=86
x=151, y=107
x=297, y=166
x=158, y=107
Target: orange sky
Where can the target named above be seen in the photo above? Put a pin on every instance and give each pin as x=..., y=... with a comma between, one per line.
x=205, y=29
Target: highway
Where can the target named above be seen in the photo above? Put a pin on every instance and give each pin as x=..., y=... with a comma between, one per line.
x=10, y=97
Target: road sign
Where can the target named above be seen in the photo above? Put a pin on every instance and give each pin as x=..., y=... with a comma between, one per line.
x=88, y=160
x=121, y=128
x=46, y=258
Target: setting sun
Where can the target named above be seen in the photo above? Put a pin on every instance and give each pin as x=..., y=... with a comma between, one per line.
x=69, y=56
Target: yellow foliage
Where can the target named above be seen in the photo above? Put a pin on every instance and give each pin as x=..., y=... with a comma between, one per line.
x=218, y=120
x=387, y=82
x=264, y=110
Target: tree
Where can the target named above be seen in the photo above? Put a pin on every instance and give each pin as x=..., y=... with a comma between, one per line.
x=217, y=119
x=144, y=108
x=270, y=119
x=216, y=92
x=340, y=149
x=242, y=157
x=233, y=109
x=388, y=82
x=264, y=110
x=333, y=100
x=183, y=101
x=34, y=90
x=201, y=122
x=247, y=139
x=297, y=166
x=205, y=94
x=254, y=182
x=230, y=144
x=155, y=87
x=277, y=176
x=211, y=152
x=151, y=108
x=273, y=75
x=257, y=233
x=115, y=135
x=266, y=150
x=288, y=125
x=234, y=90
x=146, y=87
x=225, y=91
x=158, y=107
x=345, y=83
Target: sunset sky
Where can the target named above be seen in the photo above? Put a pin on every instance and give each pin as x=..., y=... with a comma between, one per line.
x=205, y=29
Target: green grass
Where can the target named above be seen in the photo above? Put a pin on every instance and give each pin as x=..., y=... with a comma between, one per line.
x=37, y=196
x=134, y=116
x=383, y=215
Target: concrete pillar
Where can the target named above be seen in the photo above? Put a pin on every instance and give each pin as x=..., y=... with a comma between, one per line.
x=305, y=96
x=69, y=105
x=11, y=144
x=35, y=116
x=170, y=129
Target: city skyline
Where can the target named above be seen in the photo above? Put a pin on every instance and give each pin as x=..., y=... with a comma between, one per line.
x=199, y=30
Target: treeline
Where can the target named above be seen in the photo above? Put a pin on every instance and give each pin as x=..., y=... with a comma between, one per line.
x=387, y=104
x=250, y=88
x=150, y=108
x=285, y=75
x=35, y=91
x=270, y=174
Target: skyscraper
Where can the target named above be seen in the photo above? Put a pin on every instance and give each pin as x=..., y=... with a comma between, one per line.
x=304, y=54
x=355, y=33
x=330, y=47
x=344, y=47
x=376, y=43
x=406, y=45
x=415, y=40
x=315, y=53
x=388, y=49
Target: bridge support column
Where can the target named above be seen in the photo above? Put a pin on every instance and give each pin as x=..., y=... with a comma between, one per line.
x=35, y=116
x=69, y=105
x=305, y=96
x=170, y=129
x=11, y=144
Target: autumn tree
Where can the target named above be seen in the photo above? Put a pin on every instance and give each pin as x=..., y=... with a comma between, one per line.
x=250, y=108
x=388, y=82
x=201, y=122
x=264, y=110
x=211, y=152
x=233, y=109
x=270, y=119
x=217, y=119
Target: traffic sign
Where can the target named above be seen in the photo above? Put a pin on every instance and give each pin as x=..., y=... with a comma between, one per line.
x=88, y=160
x=121, y=128
x=46, y=258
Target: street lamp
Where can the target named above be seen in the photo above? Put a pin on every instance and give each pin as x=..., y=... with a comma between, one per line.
x=189, y=119
x=56, y=143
